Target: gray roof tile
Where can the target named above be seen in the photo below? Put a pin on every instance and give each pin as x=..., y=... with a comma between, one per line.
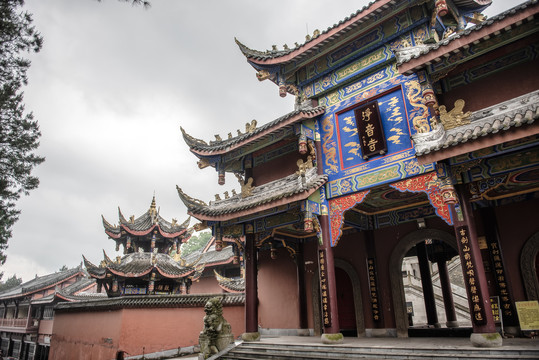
x=500, y=117
x=149, y=301
x=263, y=194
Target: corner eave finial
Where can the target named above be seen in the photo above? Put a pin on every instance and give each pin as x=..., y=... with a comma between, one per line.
x=190, y=140
x=188, y=201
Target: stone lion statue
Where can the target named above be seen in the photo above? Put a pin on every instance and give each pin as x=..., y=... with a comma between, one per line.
x=217, y=334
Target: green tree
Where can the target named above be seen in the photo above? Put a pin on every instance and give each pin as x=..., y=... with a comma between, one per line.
x=195, y=243
x=19, y=132
x=10, y=283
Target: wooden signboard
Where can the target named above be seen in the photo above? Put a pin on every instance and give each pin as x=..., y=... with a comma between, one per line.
x=324, y=291
x=373, y=286
x=470, y=277
x=371, y=133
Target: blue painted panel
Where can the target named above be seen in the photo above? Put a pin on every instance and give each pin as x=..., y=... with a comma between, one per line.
x=395, y=124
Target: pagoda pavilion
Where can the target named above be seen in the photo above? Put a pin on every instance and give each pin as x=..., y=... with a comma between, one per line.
x=414, y=132
x=152, y=262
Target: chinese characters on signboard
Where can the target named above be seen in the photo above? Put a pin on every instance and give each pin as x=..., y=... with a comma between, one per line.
x=375, y=300
x=495, y=306
x=470, y=276
x=499, y=275
x=324, y=291
x=371, y=133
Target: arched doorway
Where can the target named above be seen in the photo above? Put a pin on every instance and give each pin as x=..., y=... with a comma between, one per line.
x=345, y=303
x=529, y=266
x=395, y=272
x=354, y=297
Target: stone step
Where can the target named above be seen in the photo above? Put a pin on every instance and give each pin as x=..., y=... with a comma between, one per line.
x=247, y=351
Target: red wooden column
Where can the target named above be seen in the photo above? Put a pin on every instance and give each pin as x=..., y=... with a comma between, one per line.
x=449, y=304
x=474, y=272
x=426, y=282
x=302, y=299
x=251, y=285
x=328, y=286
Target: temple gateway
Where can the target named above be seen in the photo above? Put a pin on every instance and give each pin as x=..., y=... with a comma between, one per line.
x=409, y=165
x=414, y=133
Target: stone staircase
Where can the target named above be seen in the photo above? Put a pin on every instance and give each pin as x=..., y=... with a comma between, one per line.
x=262, y=350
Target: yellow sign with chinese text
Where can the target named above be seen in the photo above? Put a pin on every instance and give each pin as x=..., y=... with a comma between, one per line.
x=528, y=314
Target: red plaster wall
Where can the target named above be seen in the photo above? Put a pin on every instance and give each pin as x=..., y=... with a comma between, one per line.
x=277, y=291
x=168, y=328
x=206, y=285
x=514, y=237
x=351, y=248
x=45, y=327
x=159, y=329
x=82, y=336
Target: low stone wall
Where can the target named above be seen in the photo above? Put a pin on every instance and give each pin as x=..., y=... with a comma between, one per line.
x=136, y=325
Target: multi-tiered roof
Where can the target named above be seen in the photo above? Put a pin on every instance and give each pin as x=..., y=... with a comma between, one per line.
x=152, y=260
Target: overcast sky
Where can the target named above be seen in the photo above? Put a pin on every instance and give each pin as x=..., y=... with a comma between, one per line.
x=111, y=88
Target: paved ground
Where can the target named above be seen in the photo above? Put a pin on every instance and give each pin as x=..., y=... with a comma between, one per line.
x=435, y=343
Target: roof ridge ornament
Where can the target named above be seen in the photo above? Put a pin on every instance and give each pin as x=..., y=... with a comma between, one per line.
x=247, y=188
x=249, y=128
x=455, y=117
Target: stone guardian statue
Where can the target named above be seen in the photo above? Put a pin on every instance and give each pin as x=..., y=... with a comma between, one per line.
x=217, y=334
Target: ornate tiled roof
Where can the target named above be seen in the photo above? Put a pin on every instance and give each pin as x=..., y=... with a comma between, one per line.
x=349, y=25
x=313, y=44
x=139, y=264
x=220, y=147
x=145, y=224
x=211, y=257
x=149, y=301
x=510, y=114
x=73, y=292
x=407, y=54
x=287, y=189
x=233, y=285
x=41, y=283
x=94, y=271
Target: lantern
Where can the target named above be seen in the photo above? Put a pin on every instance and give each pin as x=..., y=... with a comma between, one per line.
x=428, y=96
x=308, y=222
x=282, y=90
x=221, y=177
x=441, y=8
x=218, y=244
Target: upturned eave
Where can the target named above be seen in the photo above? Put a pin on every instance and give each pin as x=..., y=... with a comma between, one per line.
x=479, y=33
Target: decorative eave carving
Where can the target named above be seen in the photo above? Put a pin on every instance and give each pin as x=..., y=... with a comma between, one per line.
x=253, y=133
x=188, y=201
x=190, y=140
x=455, y=117
x=504, y=116
x=283, y=191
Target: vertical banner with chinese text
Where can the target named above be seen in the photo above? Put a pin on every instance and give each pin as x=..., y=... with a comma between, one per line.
x=324, y=291
x=373, y=287
x=470, y=276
